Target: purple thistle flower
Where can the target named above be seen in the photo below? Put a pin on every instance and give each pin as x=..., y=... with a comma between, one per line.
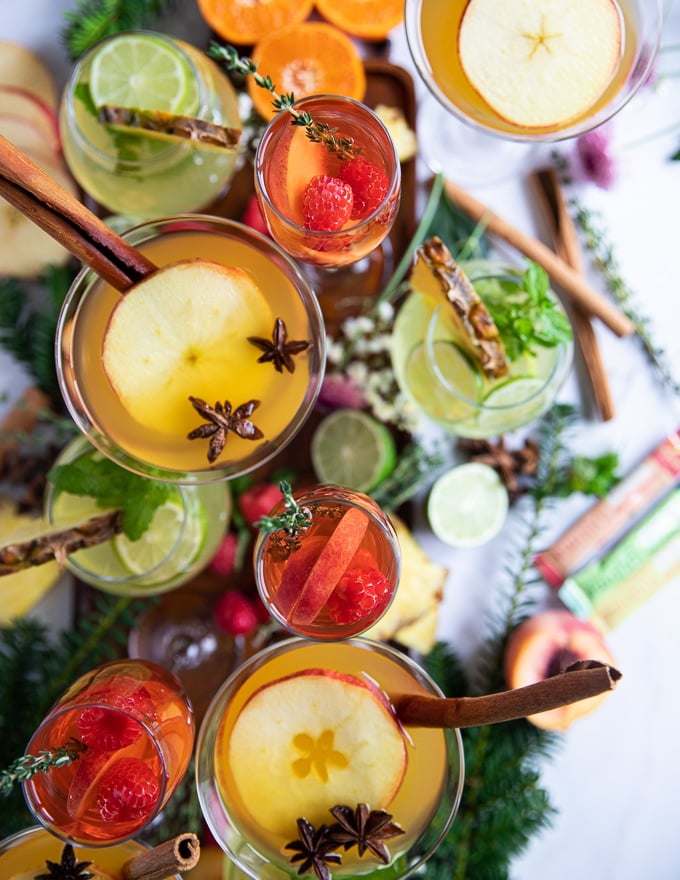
x=593, y=159
x=339, y=392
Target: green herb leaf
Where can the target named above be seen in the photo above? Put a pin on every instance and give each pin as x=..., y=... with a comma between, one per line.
x=114, y=488
x=524, y=312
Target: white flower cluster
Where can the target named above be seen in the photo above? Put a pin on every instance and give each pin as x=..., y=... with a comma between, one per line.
x=367, y=340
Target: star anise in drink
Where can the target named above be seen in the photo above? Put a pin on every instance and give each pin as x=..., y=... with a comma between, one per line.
x=313, y=850
x=278, y=350
x=366, y=829
x=67, y=869
x=220, y=420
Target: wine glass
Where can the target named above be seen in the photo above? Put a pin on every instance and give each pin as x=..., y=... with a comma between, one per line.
x=342, y=248
x=487, y=131
x=322, y=751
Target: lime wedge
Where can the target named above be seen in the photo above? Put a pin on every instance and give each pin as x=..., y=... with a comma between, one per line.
x=165, y=541
x=136, y=70
x=436, y=398
x=514, y=402
x=352, y=449
x=467, y=505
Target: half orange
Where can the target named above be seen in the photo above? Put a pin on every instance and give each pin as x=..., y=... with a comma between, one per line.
x=245, y=22
x=367, y=19
x=311, y=58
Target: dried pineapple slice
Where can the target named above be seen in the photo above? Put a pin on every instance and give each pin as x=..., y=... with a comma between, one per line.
x=436, y=273
x=161, y=124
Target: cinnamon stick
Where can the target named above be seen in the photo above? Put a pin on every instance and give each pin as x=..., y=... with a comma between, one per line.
x=566, y=244
x=21, y=419
x=560, y=272
x=174, y=856
x=579, y=681
x=26, y=186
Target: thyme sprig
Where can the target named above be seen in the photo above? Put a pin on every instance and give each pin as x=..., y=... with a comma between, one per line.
x=294, y=519
x=28, y=766
x=317, y=132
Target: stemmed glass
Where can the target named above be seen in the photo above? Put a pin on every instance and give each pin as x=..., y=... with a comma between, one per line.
x=348, y=253
x=476, y=140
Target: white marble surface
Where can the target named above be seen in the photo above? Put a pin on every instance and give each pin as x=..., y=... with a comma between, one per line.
x=615, y=781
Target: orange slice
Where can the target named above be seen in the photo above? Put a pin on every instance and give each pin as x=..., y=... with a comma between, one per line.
x=245, y=22
x=311, y=58
x=368, y=19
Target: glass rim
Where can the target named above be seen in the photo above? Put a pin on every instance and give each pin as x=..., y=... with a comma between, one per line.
x=104, y=156
x=322, y=235
x=209, y=799
x=82, y=287
x=641, y=65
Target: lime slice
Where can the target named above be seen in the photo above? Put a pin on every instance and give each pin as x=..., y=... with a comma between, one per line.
x=165, y=541
x=436, y=398
x=467, y=505
x=514, y=402
x=135, y=70
x=351, y=448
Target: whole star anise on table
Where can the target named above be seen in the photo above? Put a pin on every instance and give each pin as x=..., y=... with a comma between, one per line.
x=366, y=829
x=220, y=420
x=515, y=467
x=278, y=350
x=313, y=850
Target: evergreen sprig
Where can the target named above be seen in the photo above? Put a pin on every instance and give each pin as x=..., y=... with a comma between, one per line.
x=28, y=766
x=27, y=329
x=92, y=20
x=503, y=805
x=317, y=132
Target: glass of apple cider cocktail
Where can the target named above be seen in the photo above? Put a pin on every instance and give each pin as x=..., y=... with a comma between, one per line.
x=204, y=370
x=123, y=100
x=330, y=572
x=302, y=739
x=331, y=199
x=136, y=728
x=24, y=856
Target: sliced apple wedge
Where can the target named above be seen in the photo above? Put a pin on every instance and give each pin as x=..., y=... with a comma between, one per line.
x=179, y=333
x=543, y=63
x=21, y=67
x=311, y=740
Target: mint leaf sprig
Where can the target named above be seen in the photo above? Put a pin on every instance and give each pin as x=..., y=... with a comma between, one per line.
x=114, y=488
x=524, y=312
x=317, y=132
x=28, y=766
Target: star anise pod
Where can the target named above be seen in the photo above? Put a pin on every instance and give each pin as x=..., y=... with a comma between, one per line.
x=67, y=869
x=278, y=350
x=220, y=420
x=313, y=850
x=511, y=465
x=366, y=829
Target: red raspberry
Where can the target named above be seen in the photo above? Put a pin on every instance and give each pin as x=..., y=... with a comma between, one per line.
x=327, y=203
x=253, y=216
x=360, y=593
x=235, y=613
x=258, y=500
x=128, y=790
x=369, y=185
x=108, y=730
x=222, y=563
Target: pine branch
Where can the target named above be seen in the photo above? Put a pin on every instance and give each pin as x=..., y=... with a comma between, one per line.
x=92, y=20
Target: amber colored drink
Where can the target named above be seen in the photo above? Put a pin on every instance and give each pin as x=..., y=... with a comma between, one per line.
x=432, y=30
x=335, y=578
x=286, y=162
x=25, y=854
x=424, y=804
x=138, y=730
x=159, y=446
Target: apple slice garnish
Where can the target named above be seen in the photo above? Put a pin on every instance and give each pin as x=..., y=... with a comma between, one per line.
x=543, y=63
x=311, y=740
x=22, y=68
x=16, y=101
x=176, y=334
x=330, y=565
